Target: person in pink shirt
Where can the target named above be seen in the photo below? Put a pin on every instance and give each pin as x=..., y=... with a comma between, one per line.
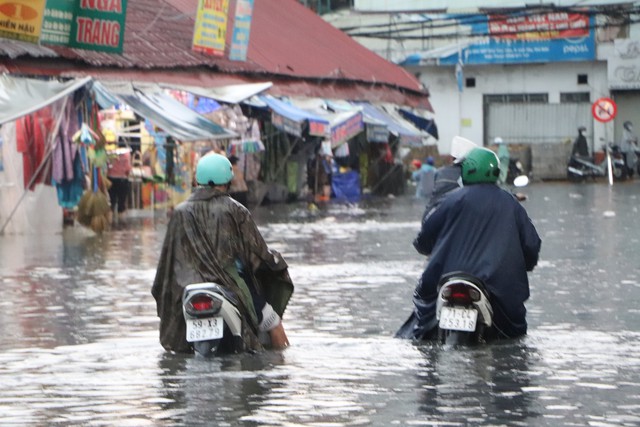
x=118, y=171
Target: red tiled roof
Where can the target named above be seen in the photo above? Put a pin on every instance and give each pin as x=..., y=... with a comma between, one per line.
x=289, y=44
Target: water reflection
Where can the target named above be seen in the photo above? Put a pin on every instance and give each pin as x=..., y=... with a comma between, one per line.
x=79, y=343
x=233, y=385
x=485, y=385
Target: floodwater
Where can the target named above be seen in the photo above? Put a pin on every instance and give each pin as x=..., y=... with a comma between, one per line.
x=79, y=346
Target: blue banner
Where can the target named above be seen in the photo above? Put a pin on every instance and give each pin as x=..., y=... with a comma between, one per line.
x=525, y=51
x=241, y=30
x=529, y=38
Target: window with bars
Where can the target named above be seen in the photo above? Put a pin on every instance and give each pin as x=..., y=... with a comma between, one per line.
x=511, y=98
x=575, y=97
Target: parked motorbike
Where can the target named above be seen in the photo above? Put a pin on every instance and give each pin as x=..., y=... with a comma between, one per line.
x=213, y=321
x=579, y=168
x=636, y=150
x=515, y=170
x=519, y=182
x=463, y=310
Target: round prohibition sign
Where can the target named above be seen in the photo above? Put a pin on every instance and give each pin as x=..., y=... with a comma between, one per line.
x=604, y=110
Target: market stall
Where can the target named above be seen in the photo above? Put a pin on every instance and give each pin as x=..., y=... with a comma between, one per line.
x=41, y=169
x=165, y=136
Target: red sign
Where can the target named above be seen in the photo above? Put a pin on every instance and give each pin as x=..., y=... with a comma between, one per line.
x=604, y=110
x=543, y=26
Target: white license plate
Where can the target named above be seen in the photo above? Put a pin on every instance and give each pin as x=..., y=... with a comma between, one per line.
x=458, y=319
x=210, y=328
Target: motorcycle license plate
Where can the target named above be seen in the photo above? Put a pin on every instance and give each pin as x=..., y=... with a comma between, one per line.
x=209, y=328
x=458, y=319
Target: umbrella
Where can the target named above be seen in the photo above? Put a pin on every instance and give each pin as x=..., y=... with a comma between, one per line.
x=245, y=146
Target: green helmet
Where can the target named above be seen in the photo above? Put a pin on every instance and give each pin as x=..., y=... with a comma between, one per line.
x=479, y=166
x=214, y=169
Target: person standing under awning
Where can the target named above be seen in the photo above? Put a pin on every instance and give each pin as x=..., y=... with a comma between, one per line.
x=119, y=167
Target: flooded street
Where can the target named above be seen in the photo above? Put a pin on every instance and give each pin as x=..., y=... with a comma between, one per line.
x=79, y=342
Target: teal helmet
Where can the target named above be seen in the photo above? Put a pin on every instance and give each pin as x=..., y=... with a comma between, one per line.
x=214, y=169
x=480, y=165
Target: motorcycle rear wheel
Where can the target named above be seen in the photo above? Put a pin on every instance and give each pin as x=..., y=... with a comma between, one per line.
x=572, y=177
x=206, y=348
x=619, y=173
x=449, y=337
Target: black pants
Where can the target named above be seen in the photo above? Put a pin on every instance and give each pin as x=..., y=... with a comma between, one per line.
x=118, y=193
x=630, y=170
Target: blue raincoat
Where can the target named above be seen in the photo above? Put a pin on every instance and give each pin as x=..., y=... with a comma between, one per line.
x=484, y=231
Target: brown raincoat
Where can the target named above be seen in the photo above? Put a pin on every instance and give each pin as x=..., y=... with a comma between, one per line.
x=205, y=237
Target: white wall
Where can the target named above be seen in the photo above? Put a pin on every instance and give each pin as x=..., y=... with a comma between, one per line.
x=24, y=211
x=461, y=113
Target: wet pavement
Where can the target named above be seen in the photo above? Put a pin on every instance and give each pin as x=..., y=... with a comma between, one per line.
x=79, y=333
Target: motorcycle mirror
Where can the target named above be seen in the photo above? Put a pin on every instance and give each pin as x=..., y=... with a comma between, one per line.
x=521, y=181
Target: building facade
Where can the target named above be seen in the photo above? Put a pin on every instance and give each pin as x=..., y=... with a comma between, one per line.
x=530, y=75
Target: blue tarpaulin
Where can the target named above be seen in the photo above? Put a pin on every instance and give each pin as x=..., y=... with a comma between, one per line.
x=405, y=134
x=291, y=119
x=346, y=186
x=427, y=125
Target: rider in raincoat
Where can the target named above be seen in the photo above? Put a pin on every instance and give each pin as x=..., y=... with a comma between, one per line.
x=484, y=231
x=212, y=238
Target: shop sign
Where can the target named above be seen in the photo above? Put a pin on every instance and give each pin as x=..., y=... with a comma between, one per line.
x=241, y=30
x=210, y=30
x=377, y=133
x=528, y=38
x=285, y=124
x=21, y=19
x=552, y=25
x=85, y=24
x=623, y=67
x=57, y=22
x=99, y=25
x=347, y=129
x=317, y=128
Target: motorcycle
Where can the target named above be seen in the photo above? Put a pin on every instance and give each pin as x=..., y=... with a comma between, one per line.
x=515, y=170
x=636, y=150
x=213, y=321
x=463, y=310
x=579, y=168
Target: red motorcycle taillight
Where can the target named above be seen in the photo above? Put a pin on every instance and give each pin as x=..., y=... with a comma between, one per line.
x=202, y=303
x=461, y=294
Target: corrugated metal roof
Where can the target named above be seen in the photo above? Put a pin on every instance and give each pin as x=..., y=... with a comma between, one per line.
x=291, y=39
x=287, y=41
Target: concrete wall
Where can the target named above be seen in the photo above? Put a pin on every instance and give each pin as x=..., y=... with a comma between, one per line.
x=462, y=113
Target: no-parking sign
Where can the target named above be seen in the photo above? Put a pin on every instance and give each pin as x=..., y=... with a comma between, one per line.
x=604, y=110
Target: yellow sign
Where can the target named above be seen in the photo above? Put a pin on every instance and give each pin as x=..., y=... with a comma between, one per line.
x=210, y=30
x=21, y=19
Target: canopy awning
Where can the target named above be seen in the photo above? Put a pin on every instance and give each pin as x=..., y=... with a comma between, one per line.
x=345, y=126
x=375, y=129
x=404, y=133
x=153, y=104
x=22, y=96
x=231, y=94
x=422, y=123
x=344, y=123
x=291, y=119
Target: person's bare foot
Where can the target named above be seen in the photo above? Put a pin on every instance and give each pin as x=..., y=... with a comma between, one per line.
x=278, y=337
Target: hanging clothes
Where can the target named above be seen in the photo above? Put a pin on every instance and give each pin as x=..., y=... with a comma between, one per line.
x=68, y=170
x=32, y=132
